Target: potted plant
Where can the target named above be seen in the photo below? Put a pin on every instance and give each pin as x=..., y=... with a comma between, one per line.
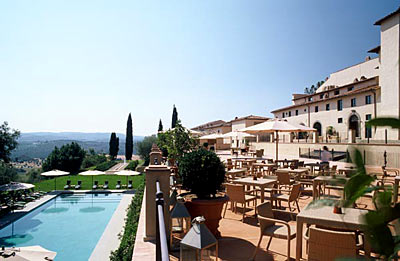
x=202, y=173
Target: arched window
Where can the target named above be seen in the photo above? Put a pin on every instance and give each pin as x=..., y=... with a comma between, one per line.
x=318, y=127
x=354, y=124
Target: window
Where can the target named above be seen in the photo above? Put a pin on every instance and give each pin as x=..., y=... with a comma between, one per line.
x=339, y=105
x=316, y=108
x=368, y=131
x=350, y=88
x=327, y=107
x=353, y=102
x=297, y=112
x=337, y=92
x=340, y=120
x=290, y=113
x=368, y=99
x=309, y=99
x=321, y=96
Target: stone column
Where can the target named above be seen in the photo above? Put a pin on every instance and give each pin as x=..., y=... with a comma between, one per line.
x=162, y=174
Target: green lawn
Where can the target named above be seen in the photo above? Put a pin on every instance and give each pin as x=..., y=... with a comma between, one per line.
x=48, y=184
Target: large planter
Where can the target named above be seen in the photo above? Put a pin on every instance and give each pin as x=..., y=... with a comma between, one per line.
x=210, y=209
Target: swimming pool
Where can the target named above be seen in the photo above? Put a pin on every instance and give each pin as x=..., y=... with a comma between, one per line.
x=70, y=224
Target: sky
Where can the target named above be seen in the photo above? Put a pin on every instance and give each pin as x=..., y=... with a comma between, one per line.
x=84, y=65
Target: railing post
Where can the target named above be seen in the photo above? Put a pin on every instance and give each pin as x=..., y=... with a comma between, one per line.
x=385, y=136
x=161, y=235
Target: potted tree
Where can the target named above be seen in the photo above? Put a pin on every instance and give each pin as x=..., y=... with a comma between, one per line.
x=202, y=173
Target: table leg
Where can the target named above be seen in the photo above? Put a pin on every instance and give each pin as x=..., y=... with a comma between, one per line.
x=262, y=195
x=396, y=190
x=315, y=189
x=299, y=239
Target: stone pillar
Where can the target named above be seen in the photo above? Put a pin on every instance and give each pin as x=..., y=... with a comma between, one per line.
x=352, y=136
x=315, y=137
x=155, y=173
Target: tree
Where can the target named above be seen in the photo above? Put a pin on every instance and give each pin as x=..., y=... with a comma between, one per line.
x=160, y=126
x=8, y=141
x=144, y=148
x=129, y=139
x=7, y=173
x=177, y=141
x=68, y=158
x=174, y=117
x=93, y=159
x=113, y=145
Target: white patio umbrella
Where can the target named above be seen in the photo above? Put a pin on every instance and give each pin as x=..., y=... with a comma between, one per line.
x=127, y=173
x=213, y=136
x=276, y=126
x=237, y=135
x=13, y=186
x=92, y=173
x=29, y=253
x=54, y=173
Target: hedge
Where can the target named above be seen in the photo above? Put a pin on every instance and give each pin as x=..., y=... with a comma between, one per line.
x=106, y=165
x=125, y=249
x=132, y=165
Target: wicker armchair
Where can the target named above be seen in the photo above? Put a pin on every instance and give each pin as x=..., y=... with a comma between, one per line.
x=237, y=194
x=324, y=244
x=272, y=227
x=292, y=197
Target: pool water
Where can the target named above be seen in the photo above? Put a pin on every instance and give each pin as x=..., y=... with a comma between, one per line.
x=70, y=224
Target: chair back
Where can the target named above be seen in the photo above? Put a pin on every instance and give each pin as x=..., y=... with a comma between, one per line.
x=106, y=182
x=259, y=153
x=329, y=245
x=79, y=182
x=283, y=177
x=229, y=161
x=265, y=210
x=68, y=182
x=235, y=192
x=295, y=192
x=96, y=182
x=119, y=182
x=130, y=182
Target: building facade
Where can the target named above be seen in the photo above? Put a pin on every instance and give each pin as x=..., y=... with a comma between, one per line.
x=350, y=97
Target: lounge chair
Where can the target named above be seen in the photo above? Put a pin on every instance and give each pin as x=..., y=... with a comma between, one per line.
x=130, y=186
x=96, y=184
x=68, y=185
x=79, y=185
x=118, y=186
x=105, y=184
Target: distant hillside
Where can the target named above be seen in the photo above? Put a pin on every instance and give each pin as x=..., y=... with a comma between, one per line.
x=79, y=136
x=40, y=144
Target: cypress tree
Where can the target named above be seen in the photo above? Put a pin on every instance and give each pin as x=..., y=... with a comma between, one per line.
x=129, y=139
x=113, y=146
x=160, y=126
x=174, y=117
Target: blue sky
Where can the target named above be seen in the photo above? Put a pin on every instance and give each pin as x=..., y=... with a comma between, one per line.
x=81, y=65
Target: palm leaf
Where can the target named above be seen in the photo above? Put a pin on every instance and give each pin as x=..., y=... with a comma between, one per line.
x=387, y=121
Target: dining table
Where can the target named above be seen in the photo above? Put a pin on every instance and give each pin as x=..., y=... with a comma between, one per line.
x=312, y=166
x=318, y=181
x=236, y=172
x=262, y=183
x=350, y=219
x=295, y=172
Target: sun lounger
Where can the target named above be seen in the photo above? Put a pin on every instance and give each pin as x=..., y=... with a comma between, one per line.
x=130, y=184
x=79, y=185
x=105, y=184
x=96, y=184
x=68, y=185
x=118, y=186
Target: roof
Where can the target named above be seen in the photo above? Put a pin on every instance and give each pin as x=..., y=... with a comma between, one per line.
x=360, y=90
x=211, y=124
x=380, y=21
x=375, y=49
x=337, y=88
x=250, y=117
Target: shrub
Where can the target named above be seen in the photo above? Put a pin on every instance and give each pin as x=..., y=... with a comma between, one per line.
x=68, y=158
x=105, y=165
x=132, y=165
x=92, y=159
x=202, y=172
x=144, y=148
x=125, y=249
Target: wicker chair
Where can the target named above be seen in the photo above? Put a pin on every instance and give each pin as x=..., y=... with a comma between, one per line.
x=293, y=196
x=324, y=244
x=272, y=227
x=283, y=179
x=237, y=194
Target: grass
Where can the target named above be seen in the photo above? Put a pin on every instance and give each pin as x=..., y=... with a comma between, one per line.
x=48, y=184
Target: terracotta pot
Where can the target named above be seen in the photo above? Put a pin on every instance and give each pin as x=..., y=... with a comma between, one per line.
x=210, y=209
